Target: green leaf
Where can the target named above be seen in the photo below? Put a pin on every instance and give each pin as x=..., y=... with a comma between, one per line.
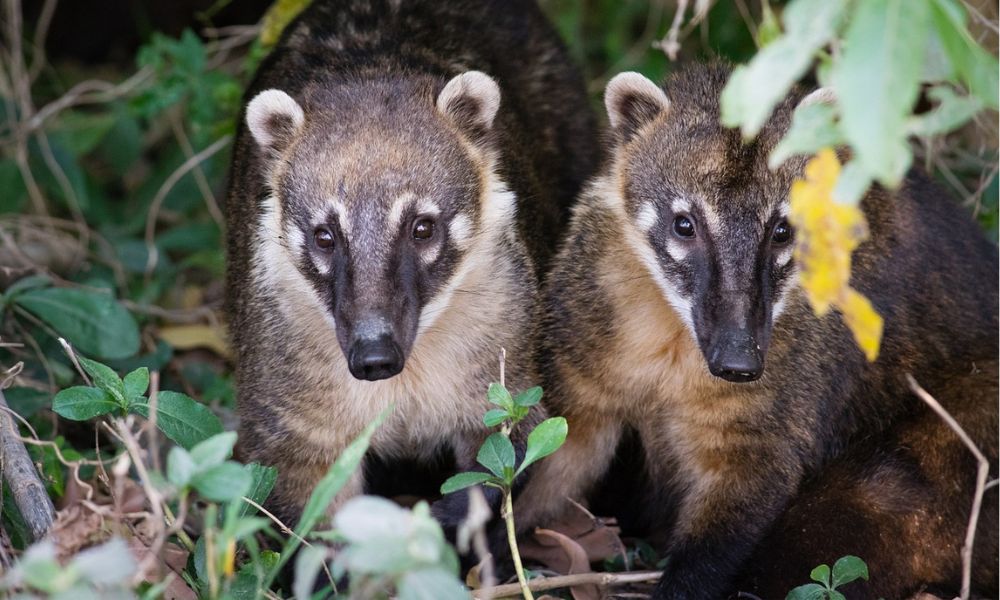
x=977, y=67
x=529, y=397
x=460, y=481
x=809, y=591
x=496, y=453
x=263, y=482
x=94, y=323
x=431, y=584
x=495, y=416
x=834, y=595
x=499, y=395
x=81, y=403
x=544, y=439
x=180, y=418
x=952, y=111
x=307, y=566
x=222, y=483
x=26, y=283
x=852, y=184
x=877, y=82
x=215, y=450
x=769, y=28
x=105, y=378
x=848, y=569
x=755, y=89
x=821, y=574
x=108, y=564
x=813, y=127
x=136, y=383
x=180, y=467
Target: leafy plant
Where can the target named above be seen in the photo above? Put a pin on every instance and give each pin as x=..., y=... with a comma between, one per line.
x=179, y=417
x=498, y=457
x=845, y=570
x=92, y=573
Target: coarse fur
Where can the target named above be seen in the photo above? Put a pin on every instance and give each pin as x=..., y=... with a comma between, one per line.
x=371, y=120
x=763, y=426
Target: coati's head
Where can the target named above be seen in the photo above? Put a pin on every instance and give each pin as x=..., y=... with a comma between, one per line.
x=377, y=191
x=707, y=216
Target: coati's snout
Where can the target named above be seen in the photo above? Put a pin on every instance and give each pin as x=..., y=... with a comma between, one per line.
x=377, y=218
x=714, y=236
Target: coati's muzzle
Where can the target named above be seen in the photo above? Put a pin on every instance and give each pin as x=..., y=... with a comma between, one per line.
x=733, y=334
x=376, y=339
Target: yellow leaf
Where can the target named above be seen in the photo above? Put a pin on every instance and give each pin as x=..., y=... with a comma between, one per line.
x=826, y=233
x=188, y=337
x=863, y=321
x=229, y=564
x=277, y=18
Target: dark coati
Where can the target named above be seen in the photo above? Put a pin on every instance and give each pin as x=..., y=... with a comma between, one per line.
x=402, y=173
x=677, y=281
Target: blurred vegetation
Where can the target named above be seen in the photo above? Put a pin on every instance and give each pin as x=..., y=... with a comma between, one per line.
x=114, y=148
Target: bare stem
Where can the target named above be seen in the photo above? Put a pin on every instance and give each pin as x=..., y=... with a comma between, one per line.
x=508, y=517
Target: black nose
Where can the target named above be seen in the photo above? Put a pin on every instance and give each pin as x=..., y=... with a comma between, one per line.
x=375, y=359
x=736, y=358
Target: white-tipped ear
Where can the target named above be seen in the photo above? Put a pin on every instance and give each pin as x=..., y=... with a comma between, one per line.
x=824, y=95
x=633, y=101
x=471, y=100
x=274, y=118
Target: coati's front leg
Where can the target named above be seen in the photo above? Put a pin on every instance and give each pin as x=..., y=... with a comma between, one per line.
x=734, y=496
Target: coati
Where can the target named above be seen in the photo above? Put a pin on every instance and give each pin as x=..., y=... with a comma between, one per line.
x=673, y=310
x=400, y=173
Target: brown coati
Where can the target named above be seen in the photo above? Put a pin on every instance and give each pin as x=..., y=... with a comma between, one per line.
x=674, y=288
x=399, y=180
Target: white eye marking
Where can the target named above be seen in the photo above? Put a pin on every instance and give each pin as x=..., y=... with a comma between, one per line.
x=396, y=210
x=677, y=251
x=460, y=230
x=647, y=217
x=680, y=205
x=426, y=207
x=342, y=220
x=784, y=209
x=712, y=219
x=783, y=257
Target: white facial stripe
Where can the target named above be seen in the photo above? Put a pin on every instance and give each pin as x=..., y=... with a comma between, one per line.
x=399, y=205
x=647, y=217
x=783, y=257
x=680, y=205
x=342, y=220
x=783, y=209
x=677, y=249
x=429, y=208
x=712, y=220
x=460, y=229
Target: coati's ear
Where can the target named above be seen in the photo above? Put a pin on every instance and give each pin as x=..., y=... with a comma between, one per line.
x=471, y=100
x=274, y=118
x=823, y=95
x=633, y=101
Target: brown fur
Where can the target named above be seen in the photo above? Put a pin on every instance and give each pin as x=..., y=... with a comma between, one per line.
x=822, y=436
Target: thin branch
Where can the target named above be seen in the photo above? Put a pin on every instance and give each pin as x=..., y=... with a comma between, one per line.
x=565, y=581
x=982, y=474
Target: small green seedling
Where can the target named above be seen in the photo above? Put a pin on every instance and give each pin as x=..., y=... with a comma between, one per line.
x=497, y=454
x=845, y=570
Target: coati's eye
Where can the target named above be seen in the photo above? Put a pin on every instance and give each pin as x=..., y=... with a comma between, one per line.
x=782, y=232
x=323, y=238
x=683, y=227
x=423, y=229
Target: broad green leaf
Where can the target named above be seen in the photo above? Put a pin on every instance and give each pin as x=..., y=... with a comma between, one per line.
x=529, y=397
x=94, y=323
x=813, y=128
x=105, y=378
x=847, y=569
x=835, y=595
x=544, y=439
x=81, y=403
x=951, y=112
x=222, y=483
x=499, y=395
x=769, y=28
x=495, y=416
x=877, y=82
x=809, y=591
x=431, y=584
x=180, y=418
x=26, y=283
x=263, y=482
x=214, y=450
x=27, y=401
x=136, y=383
x=821, y=574
x=180, y=467
x=497, y=453
x=755, y=89
x=108, y=564
x=852, y=183
x=460, y=481
x=83, y=131
x=977, y=67
x=307, y=567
